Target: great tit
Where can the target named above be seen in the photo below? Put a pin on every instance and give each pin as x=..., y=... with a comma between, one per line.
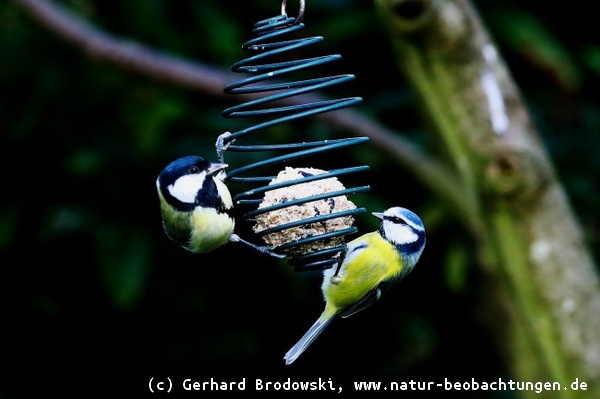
x=196, y=205
x=371, y=264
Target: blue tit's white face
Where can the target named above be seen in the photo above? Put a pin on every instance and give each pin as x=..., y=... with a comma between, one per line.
x=402, y=227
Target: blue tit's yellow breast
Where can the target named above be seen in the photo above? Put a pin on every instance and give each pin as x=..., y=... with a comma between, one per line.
x=369, y=261
x=210, y=229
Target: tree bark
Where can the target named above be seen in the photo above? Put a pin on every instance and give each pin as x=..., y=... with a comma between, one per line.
x=541, y=276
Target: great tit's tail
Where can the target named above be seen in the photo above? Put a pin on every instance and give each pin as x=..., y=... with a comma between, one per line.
x=308, y=338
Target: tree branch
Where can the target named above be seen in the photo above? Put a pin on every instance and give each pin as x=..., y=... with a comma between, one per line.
x=171, y=69
x=174, y=70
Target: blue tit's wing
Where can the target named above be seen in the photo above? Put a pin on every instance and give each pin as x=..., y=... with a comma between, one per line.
x=355, y=250
x=369, y=299
x=370, y=260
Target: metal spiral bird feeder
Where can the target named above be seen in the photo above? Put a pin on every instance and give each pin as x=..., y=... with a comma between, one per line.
x=267, y=43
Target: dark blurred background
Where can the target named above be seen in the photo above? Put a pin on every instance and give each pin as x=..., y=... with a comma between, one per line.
x=90, y=282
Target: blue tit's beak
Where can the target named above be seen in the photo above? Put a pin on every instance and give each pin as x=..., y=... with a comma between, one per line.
x=215, y=168
x=378, y=215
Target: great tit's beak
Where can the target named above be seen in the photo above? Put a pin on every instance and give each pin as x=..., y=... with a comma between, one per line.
x=215, y=168
x=378, y=215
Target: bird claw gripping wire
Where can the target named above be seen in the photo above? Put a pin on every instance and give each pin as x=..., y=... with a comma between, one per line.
x=316, y=248
x=261, y=248
x=222, y=145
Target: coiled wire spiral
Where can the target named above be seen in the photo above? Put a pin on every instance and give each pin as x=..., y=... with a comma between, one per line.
x=264, y=45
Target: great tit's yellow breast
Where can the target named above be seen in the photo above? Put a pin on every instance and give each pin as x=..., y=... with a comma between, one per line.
x=371, y=259
x=210, y=229
x=177, y=224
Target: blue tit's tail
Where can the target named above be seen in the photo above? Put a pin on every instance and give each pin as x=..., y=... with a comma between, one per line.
x=307, y=338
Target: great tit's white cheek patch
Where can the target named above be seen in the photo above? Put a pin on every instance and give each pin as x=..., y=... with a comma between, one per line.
x=224, y=193
x=221, y=175
x=186, y=187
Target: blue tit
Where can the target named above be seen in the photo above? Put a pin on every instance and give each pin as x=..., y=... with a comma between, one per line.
x=371, y=264
x=196, y=205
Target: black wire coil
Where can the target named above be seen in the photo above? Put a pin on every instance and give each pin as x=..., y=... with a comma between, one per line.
x=265, y=46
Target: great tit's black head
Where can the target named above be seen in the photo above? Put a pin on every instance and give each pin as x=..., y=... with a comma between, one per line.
x=188, y=182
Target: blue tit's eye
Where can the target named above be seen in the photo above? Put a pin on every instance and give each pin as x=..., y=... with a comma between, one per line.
x=194, y=169
x=397, y=220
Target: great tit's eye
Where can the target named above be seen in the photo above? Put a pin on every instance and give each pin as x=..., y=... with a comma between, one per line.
x=194, y=169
